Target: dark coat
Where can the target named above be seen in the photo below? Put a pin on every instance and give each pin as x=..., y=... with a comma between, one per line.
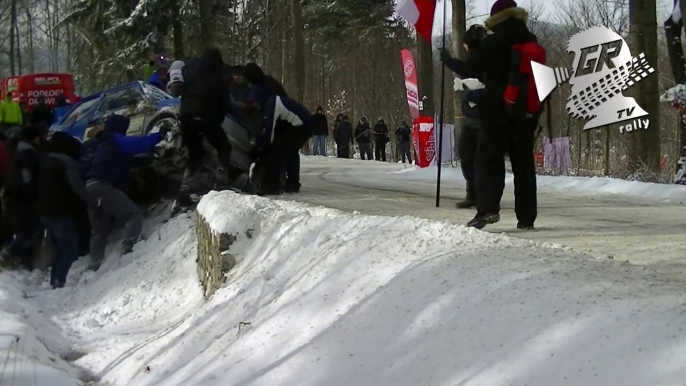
x=112, y=161
x=42, y=114
x=256, y=77
x=206, y=95
x=22, y=182
x=320, y=125
x=343, y=134
x=363, y=133
x=61, y=190
x=381, y=132
x=492, y=63
x=404, y=134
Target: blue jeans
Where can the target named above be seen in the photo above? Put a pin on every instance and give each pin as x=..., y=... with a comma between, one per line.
x=65, y=243
x=319, y=145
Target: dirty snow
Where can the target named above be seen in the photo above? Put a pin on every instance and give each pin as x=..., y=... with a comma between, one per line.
x=321, y=297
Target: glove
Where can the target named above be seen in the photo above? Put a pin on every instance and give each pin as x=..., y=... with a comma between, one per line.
x=164, y=130
x=445, y=55
x=256, y=152
x=98, y=210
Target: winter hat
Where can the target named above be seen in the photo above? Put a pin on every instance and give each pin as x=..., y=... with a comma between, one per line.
x=501, y=5
x=66, y=144
x=31, y=133
x=320, y=109
x=259, y=94
x=254, y=74
x=474, y=35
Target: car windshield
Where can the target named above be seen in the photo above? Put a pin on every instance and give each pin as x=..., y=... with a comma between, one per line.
x=155, y=93
x=80, y=112
x=119, y=100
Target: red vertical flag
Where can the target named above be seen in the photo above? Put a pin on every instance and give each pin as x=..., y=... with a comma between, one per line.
x=420, y=13
x=410, y=72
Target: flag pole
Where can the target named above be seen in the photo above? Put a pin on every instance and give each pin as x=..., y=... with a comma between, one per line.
x=440, y=135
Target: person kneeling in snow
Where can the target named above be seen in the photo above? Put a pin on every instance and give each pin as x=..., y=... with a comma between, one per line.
x=286, y=127
x=107, y=180
x=60, y=191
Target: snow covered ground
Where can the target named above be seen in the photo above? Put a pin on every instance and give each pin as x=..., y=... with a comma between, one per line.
x=627, y=221
x=324, y=297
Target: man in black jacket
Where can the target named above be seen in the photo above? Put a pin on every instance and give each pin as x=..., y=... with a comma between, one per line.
x=320, y=130
x=364, y=139
x=256, y=77
x=206, y=101
x=404, y=135
x=61, y=191
x=343, y=135
x=499, y=134
x=380, y=140
x=42, y=113
x=21, y=195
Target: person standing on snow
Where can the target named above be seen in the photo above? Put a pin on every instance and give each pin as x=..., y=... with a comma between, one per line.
x=364, y=139
x=61, y=109
x=21, y=196
x=343, y=134
x=404, y=135
x=206, y=99
x=60, y=191
x=320, y=129
x=107, y=180
x=471, y=91
x=42, y=113
x=286, y=127
x=380, y=140
x=10, y=113
x=500, y=133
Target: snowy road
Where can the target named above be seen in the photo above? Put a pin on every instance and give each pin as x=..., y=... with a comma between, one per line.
x=641, y=231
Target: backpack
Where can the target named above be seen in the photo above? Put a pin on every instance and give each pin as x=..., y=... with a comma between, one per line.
x=521, y=95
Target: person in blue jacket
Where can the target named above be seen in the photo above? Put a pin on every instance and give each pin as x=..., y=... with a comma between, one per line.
x=61, y=109
x=159, y=78
x=286, y=127
x=107, y=180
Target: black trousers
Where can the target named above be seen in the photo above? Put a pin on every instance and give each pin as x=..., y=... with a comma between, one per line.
x=469, y=140
x=283, y=155
x=380, y=150
x=344, y=152
x=192, y=132
x=28, y=229
x=494, y=141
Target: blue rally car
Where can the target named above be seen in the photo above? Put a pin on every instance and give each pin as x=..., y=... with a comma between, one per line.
x=149, y=109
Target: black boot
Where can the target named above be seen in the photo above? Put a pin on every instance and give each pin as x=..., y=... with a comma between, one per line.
x=469, y=201
x=524, y=226
x=480, y=222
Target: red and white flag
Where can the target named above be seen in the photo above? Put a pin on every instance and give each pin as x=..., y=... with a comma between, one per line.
x=420, y=13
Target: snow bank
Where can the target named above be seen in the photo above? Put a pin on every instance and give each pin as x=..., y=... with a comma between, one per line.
x=320, y=297
x=662, y=192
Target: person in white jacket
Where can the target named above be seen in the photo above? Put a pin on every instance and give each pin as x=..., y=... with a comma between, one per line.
x=175, y=78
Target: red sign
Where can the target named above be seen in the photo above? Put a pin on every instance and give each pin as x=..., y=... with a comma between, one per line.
x=424, y=145
x=410, y=71
x=29, y=88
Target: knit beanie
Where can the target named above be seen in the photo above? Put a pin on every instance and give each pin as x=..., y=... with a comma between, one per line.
x=501, y=5
x=31, y=132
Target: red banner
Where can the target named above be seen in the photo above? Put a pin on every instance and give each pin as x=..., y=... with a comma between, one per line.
x=424, y=146
x=28, y=88
x=410, y=71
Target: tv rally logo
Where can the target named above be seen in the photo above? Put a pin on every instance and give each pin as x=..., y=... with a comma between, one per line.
x=597, y=89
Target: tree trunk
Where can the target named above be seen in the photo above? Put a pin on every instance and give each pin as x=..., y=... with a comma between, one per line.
x=13, y=22
x=32, y=59
x=177, y=31
x=299, y=52
x=19, y=64
x=459, y=30
x=426, y=77
x=643, y=38
x=673, y=30
x=206, y=23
